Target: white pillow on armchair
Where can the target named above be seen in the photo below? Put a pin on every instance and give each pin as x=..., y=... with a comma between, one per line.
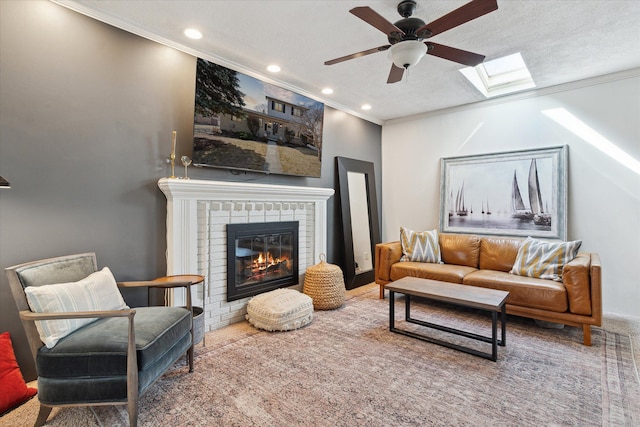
x=98, y=291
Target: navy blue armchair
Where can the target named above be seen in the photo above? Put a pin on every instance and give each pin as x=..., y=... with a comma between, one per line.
x=108, y=356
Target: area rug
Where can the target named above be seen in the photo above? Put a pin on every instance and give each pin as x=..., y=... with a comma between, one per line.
x=347, y=369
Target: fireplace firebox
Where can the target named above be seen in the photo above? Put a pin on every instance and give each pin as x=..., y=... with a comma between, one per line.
x=261, y=257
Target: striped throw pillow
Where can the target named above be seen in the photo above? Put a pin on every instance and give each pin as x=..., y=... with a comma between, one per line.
x=420, y=246
x=544, y=260
x=98, y=291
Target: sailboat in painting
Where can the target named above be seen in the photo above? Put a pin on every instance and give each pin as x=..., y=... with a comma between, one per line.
x=536, y=213
x=518, y=210
x=451, y=205
x=488, y=211
x=461, y=210
x=540, y=217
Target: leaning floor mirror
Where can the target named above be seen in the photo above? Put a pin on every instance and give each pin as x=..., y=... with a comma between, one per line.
x=360, y=225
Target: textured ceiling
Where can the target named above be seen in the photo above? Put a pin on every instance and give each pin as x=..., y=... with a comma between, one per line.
x=561, y=41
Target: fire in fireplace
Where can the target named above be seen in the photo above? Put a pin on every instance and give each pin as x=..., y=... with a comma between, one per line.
x=261, y=257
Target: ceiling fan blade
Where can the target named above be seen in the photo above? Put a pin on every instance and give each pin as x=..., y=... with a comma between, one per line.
x=395, y=75
x=456, y=55
x=358, y=55
x=372, y=17
x=465, y=13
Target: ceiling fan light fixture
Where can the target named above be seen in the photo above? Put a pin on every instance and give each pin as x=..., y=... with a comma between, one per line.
x=407, y=53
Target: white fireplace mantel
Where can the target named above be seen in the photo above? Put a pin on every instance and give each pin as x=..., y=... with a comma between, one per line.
x=185, y=195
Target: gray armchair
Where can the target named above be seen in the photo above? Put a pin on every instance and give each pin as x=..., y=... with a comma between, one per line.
x=112, y=360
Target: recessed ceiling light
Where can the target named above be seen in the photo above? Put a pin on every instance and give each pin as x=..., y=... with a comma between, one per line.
x=192, y=33
x=273, y=68
x=366, y=107
x=327, y=91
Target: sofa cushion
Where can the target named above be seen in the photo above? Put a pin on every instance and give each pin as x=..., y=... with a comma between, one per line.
x=498, y=253
x=419, y=246
x=460, y=249
x=544, y=260
x=96, y=367
x=87, y=353
x=523, y=291
x=575, y=277
x=444, y=272
x=98, y=291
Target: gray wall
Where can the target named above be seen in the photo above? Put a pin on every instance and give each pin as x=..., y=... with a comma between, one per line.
x=86, y=114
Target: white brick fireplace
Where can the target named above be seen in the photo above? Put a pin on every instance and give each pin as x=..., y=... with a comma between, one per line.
x=197, y=214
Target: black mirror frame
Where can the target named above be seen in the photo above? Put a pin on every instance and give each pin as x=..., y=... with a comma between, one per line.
x=344, y=165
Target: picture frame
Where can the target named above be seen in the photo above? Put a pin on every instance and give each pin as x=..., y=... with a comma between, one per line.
x=517, y=193
x=242, y=123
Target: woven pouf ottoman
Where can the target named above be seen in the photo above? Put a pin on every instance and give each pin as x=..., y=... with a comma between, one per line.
x=324, y=283
x=280, y=310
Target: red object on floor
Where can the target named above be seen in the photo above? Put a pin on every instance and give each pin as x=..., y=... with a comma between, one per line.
x=13, y=389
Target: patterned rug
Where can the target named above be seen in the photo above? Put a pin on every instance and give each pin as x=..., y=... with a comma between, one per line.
x=347, y=369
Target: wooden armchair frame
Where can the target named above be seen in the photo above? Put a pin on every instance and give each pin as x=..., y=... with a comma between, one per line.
x=29, y=318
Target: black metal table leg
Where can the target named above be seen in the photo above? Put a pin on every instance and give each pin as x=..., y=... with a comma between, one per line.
x=503, y=313
x=392, y=314
x=494, y=335
x=407, y=307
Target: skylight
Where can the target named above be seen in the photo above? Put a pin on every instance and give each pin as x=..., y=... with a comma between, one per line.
x=500, y=76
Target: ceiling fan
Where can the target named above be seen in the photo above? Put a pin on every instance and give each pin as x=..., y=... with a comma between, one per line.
x=406, y=37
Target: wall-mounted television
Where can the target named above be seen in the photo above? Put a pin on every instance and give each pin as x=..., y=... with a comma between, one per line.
x=242, y=123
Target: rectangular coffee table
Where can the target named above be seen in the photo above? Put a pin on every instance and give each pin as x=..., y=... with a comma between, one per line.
x=467, y=296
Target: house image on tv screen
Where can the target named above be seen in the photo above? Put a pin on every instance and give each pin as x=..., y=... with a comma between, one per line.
x=243, y=123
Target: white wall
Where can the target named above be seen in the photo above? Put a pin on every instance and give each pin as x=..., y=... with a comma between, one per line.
x=604, y=195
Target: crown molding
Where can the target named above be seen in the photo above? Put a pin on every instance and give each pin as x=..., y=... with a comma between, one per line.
x=127, y=26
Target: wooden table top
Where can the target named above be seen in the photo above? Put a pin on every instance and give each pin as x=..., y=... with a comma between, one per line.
x=471, y=296
x=193, y=278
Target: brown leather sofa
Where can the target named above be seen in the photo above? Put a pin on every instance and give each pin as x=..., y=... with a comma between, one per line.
x=486, y=261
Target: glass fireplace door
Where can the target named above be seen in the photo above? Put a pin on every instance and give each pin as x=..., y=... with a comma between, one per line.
x=261, y=257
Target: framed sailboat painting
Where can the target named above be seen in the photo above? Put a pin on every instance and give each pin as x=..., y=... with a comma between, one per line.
x=517, y=193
